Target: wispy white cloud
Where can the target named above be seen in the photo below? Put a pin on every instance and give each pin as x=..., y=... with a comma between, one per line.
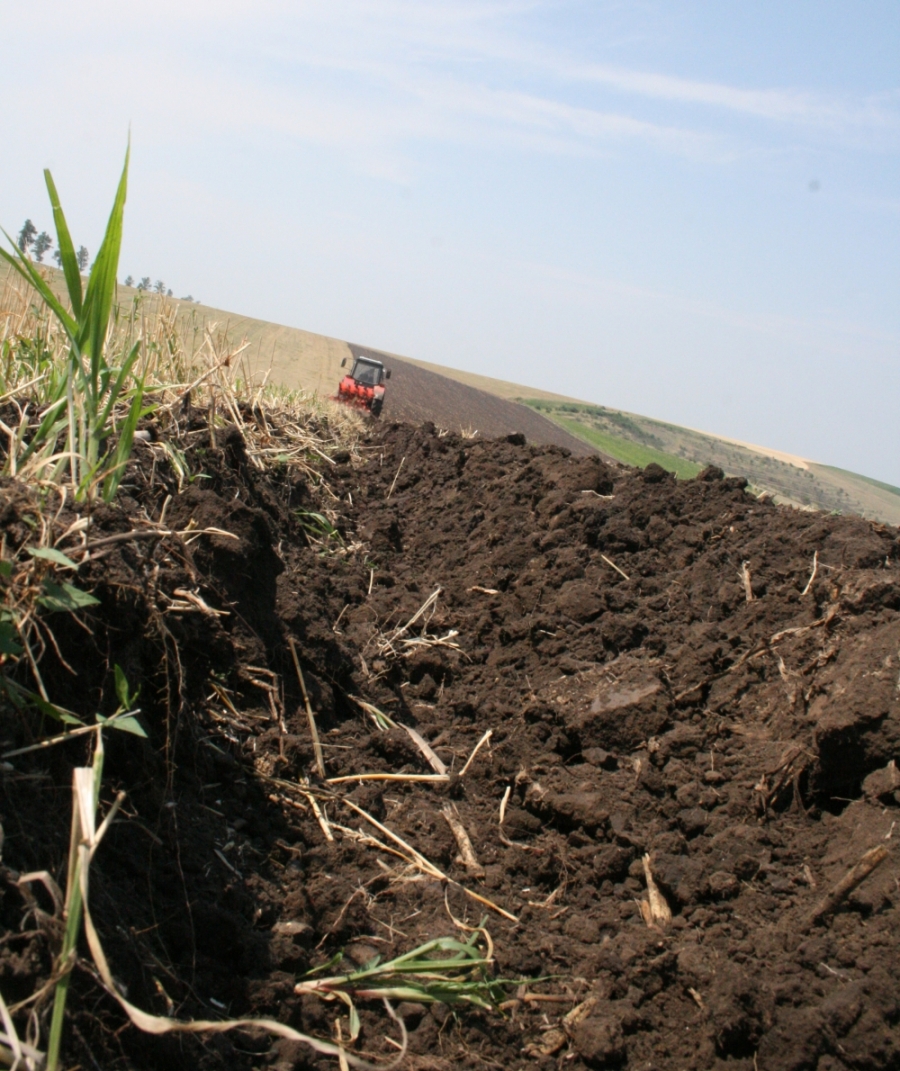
x=484, y=41
x=357, y=75
x=375, y=123
x=874, y=112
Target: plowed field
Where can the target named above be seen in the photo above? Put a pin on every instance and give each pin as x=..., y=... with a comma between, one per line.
x=416, y=395
x=666, y=692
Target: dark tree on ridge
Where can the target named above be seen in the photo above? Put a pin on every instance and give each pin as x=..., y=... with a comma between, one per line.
x=82, y=256
x=129, y=281
x=41, y=244
x=27, y=235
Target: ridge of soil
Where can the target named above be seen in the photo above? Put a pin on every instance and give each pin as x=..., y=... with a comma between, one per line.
x=658, y=677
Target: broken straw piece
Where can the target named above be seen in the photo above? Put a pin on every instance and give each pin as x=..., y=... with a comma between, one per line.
x=839, y=892
x=422, y=744
x=657, y=912
x=466, y=851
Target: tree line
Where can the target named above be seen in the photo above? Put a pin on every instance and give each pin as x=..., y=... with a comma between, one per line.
x=39, y=244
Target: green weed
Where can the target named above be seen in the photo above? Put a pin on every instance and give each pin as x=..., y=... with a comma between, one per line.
x=318, y=527
x=81, y=396
x=443, y=970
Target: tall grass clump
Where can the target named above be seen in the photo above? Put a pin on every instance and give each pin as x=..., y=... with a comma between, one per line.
x=79, y=370
x=80, y=396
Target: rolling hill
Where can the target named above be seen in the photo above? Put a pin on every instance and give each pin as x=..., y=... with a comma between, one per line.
x=475, y=404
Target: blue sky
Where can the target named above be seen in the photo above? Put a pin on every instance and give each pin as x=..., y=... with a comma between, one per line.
x=687, y=210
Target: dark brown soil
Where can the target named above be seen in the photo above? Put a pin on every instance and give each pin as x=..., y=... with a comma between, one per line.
x=745, y=744
x=417, y=395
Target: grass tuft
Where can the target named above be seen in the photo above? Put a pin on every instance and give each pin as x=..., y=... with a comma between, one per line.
x=444, y=970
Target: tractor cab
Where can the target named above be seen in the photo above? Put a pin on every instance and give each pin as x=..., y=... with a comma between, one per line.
x=363, y=386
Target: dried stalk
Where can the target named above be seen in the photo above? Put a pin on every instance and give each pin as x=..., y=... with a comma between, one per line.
x=613, y=565
x=745, y=580
x=466, y=851
x=396, y=477
x=855, y=876
x=313, y=731
x=812, y=576
x=504, y=802
x=475, y=751
x=423, y=864
x=655, y=910
x=420, y=777
x=422, y=744
x=398, y=632
x=319, y=813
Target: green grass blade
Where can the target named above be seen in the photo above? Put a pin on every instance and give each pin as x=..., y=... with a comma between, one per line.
x=126, y=723
x=122, y=453
x=99, y=755
x=23, y=699
x=439, y=992
x=32, y=276
x=122, y=689
x=74, y=912
x=119, y=382
x=65, y=246
x=51, y=554
x=101, y=285
x=49, y=428
x=64, y=597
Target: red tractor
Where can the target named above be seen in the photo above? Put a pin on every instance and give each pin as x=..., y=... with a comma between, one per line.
x=363, y=387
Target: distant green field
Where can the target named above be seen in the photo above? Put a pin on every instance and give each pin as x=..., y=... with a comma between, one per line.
x=638, y=440
x=627, y=452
